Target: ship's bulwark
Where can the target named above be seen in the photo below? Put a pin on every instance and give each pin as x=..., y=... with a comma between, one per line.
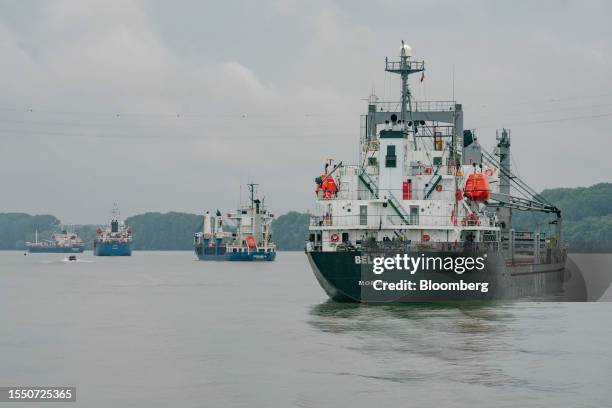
x=112, y=249
x=215, y=253
x=75, y=249
x=348, y=276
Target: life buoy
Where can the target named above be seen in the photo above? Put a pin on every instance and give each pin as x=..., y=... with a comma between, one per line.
x=439, y=187
x=335, y=238
x=426, y=238
x=489, y=172
x=428, y=170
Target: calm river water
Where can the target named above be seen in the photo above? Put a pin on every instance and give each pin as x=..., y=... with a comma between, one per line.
x=160, y=329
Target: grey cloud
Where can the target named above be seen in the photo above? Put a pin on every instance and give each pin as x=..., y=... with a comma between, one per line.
x=171, y=105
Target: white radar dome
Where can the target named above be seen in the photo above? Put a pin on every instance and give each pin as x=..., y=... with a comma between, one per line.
x=405, y=50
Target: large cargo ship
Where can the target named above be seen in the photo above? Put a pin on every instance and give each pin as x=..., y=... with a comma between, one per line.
x=252, y=240
x=424, y=200
x=60, y=242
x=115, y=239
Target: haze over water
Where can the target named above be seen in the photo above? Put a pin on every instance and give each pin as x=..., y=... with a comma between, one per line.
x=160, y=329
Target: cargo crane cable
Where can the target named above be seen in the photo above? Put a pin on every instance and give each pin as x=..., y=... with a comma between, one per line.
x=527, y=195
x=524, y=189
x=522, y=204
x=532, y=200
x=529, y=192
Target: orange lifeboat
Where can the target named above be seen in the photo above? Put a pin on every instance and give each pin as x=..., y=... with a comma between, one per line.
x=320, y=182
x=250, y=242
x=477, y=187
x=327, y=185
x=330, y=188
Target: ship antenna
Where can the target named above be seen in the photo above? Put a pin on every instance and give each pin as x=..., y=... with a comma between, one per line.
x=252, y=192
x=115, y=212
x=453, y=83
x=405, y=54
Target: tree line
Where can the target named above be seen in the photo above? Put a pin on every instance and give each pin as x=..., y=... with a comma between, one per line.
x=152, y=231
x=587, y=224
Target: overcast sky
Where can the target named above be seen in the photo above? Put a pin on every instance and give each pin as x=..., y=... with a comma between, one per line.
x=172, y=105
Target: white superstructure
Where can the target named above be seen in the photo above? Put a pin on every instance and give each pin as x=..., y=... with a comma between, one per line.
x=420, y=178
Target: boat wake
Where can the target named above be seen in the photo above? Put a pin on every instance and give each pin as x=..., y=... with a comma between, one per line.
x=68, y=260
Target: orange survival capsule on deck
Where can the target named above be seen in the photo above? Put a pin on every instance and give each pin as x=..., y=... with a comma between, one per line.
x=477, y=187
x=250, y=241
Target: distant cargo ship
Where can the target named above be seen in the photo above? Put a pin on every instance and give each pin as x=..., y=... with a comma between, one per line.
x=115, y=239
x=62, y=242
x=252, y=240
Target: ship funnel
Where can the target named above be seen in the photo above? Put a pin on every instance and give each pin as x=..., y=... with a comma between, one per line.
x=207, y=227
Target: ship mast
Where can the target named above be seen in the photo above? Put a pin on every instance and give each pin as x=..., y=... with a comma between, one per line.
x=251, y=187
x=404, y=67
x=252, y=192
x=405, y=88
x=115, y=212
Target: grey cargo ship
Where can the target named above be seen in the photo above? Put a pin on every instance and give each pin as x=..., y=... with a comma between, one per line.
x=60, y=242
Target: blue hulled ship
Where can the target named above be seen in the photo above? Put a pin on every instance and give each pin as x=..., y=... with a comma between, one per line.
x=252, y=240
x=114, y=239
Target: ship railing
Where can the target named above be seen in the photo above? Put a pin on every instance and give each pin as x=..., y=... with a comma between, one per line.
x=400, y=245
x=434, y=106
x=418, y=106
x=400, y=65
x=524, y=248
x=345, y=194
x=399, y=218
x=321, y=220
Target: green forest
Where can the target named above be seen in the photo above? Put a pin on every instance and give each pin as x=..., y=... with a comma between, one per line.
x=586, y=212
x=587, y=224
x=152, y=231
